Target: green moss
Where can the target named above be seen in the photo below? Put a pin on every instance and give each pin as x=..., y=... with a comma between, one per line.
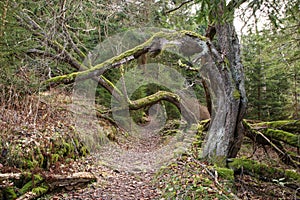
x=68, y=148
x=68, y=160
x=30, y=184
x=76, y=142
x=251, y=165
x=225, y=173
x=28, y=163
x=263, y=170
x=191, y=33
x=42, y=189
x=38, y=177
x=39, y=156
x=9, y=193
x=292, y=125
x=219, y=161
x=83, y=151
x=287, y=137
x=236, y=94
x=171, y=132
x=54, y=158
x=293, y=175
x=203, y=126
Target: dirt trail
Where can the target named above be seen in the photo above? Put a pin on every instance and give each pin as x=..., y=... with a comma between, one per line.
x=113, y=184
x=126, y=170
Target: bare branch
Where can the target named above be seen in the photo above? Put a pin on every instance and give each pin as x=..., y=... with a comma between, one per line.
x=178, y=7
x=38, y=31
x=74, y=46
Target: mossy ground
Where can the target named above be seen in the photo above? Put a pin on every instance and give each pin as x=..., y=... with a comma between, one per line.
x=37, y=144
x=53, y=145
x=190, y=178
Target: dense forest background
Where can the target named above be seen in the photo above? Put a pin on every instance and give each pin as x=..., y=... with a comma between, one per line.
x=48, y=40
x=37, y=39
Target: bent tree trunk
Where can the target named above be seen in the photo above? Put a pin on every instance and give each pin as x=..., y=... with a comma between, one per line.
x=225, y=81
x=222, y=75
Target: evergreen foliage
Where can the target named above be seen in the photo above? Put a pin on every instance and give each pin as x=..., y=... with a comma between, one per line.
x=271, y=61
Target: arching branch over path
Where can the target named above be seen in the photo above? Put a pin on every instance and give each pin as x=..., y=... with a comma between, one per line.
x=222, y=75
x=154, y=45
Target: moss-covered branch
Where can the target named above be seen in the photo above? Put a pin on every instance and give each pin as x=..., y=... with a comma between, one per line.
x=167, y=96
x=264, y=171
x=153, y=99
x=279, y=135
x=260, y=138
x=154, y=44
x=286, y=137
x=292, y=126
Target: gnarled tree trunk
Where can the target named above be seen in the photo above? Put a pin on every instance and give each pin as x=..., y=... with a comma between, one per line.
x=224, y=78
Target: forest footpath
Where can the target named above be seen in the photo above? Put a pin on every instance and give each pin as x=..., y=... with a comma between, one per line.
x=51, y=161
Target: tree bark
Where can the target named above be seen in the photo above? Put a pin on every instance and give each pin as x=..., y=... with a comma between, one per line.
x=223, y=73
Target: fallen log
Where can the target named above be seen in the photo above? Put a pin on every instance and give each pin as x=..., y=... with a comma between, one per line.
x=292, y=126
x=56, y=181
x=280, y=135
x=287, y=131
x=38, y=185
x=260, y=138
x=264, y=172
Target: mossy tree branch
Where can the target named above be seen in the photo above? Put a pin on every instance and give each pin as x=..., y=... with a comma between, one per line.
x=280, y=135
x=260, y=138
x=264, y=172
x=167, y=96
x=269, y=129
x=152, y=45
x=285, y=125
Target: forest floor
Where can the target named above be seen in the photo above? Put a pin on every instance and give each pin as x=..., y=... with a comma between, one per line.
x=124, y=171
x=147, y=165
x=133, y=169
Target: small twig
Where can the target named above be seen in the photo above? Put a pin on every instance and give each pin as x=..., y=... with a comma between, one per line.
x=271, y=143
x=178, y=7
